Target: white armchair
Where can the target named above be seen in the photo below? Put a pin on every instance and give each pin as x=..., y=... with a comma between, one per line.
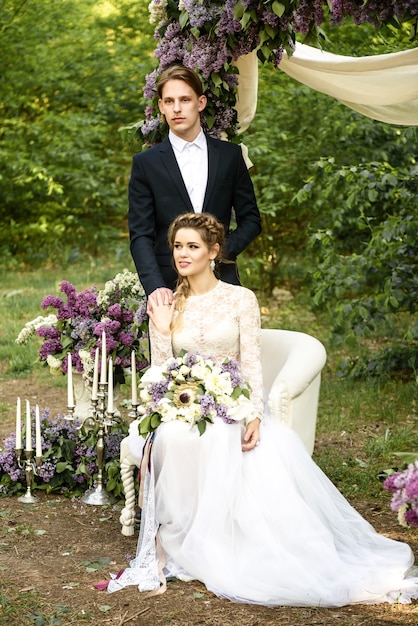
x=292, y=363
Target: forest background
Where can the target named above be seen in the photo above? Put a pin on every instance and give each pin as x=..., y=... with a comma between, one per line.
x=337, y=191
x=338, y=256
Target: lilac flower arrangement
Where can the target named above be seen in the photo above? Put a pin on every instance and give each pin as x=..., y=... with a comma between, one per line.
x=119, y=309
x=68, y=462
x=404, y=487
x=193, y=389
x=210, y=35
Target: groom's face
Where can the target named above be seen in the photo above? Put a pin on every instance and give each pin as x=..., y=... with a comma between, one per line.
x=181, y=107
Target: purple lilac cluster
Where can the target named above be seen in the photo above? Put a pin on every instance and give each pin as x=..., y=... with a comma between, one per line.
x=233, y=368
x=68, y=457
x=209, y=36
x=376, y=12
x=404, y=487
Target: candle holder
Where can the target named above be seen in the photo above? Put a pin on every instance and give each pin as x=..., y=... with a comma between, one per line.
x=133, y=413
x=103, y=419
x=30, y=466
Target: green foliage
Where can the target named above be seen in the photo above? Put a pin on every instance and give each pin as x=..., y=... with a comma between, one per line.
x=294, y=130
x=65, y=90
x=367, y=260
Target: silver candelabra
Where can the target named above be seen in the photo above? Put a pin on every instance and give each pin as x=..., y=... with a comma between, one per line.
x=30, y=465
x=101, y=416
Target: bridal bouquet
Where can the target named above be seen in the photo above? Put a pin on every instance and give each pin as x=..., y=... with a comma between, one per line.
x=404, y=486
x=193, y=389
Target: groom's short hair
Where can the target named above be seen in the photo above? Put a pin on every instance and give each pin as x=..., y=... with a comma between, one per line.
x=180, y=72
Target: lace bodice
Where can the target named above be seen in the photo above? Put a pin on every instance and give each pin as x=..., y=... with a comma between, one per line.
x=222, y=323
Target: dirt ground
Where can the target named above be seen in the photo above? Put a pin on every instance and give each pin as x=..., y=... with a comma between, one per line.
x=53, y=552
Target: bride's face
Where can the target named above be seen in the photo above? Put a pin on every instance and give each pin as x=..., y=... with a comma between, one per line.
x=191, y=255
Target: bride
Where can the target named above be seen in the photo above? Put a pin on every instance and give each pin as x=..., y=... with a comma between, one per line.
x=244, y=509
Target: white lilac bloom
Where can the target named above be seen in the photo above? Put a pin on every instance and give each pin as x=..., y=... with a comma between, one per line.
x=31, y=327
x=88, y=364
x=158, y=11
x=54, y=364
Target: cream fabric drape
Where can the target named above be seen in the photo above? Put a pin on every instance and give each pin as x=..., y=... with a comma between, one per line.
x=383, y=87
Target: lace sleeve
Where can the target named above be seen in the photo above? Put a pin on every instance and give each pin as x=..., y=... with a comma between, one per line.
x=161, y=347
x=250, y=342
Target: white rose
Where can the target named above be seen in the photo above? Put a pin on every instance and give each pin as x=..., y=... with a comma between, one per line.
x=152, y=375
x=243, y=409
x=199, y=371
x=218, y=382
x=144, y=396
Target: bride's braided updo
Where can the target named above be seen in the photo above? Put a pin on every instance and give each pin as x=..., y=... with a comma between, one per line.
x=211, y=232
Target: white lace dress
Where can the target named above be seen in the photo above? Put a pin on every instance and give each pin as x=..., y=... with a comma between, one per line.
x=263, y=527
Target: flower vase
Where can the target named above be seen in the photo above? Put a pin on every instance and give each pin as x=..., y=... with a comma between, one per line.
x=82, y=397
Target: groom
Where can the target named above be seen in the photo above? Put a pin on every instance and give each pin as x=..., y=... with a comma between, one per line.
x=188, y=171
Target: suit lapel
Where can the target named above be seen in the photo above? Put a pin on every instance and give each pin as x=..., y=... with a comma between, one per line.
x=169, y=162
x=213, y=164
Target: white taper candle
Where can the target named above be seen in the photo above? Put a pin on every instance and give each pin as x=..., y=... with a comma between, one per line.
x=38, y=443
x=134, y=384
x=95, y=375
x=70, y=389
x=18, y=425
x=28, y=445
x=103, y=369
x=110, y=387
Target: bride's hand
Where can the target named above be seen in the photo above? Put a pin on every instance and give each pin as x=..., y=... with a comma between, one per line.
x=160, y=311
x=252, y=435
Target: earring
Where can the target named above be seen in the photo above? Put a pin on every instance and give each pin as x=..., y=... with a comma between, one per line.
x=212, y=265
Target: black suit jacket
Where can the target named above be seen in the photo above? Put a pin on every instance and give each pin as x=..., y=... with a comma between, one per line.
x=157, y=195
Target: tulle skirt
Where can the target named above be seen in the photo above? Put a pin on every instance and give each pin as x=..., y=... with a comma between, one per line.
x=263, y=527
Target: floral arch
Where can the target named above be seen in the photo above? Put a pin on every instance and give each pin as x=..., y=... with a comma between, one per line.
x=222, y=40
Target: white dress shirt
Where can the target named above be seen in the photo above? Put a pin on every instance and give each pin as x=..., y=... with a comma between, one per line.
x=192, y=159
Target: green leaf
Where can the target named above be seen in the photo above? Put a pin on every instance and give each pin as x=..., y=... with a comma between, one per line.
x=407, y=457
x=238, y=11
x=62, y=466
x=183, y=18
x=278, y=8
x=155, y=420
x=144, y=425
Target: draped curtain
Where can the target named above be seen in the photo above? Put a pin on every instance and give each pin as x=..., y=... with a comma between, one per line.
x=383, y=87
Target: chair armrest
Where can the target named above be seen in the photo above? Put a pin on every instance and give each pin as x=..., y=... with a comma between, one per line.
x=304, y=363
